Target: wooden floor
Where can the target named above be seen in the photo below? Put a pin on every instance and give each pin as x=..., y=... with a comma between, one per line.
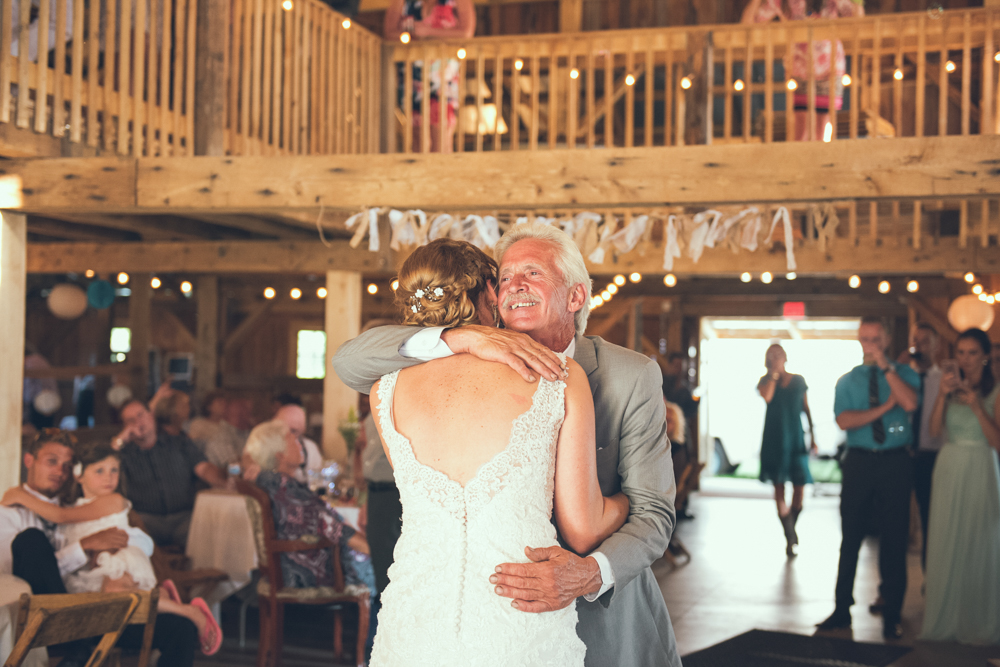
x=738, y=580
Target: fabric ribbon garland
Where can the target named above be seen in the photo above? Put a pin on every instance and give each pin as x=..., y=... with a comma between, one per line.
x=595, y=234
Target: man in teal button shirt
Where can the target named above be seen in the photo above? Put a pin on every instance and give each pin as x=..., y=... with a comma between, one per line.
x=873, y=403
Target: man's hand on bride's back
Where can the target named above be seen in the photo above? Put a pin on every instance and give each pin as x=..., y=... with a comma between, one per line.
x=553, y=579
x=517, y=350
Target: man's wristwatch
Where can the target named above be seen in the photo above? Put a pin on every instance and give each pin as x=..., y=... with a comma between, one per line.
x=889, y=369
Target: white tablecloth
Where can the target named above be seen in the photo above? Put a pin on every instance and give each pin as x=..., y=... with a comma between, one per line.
x=221, y=537
x=11, y=589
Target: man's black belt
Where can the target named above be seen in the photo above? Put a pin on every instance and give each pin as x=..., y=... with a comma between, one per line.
x=379, y=487
x=879, y=452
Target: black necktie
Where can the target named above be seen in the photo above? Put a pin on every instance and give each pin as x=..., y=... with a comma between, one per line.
x=878, y=428
x=918, y=414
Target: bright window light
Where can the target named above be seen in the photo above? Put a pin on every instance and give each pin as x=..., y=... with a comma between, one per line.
x=121, y=339
x=310, y=354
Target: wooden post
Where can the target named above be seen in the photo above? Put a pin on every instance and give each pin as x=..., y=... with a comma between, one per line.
x=570, y=16
x=13, y=282
x=139, y=310
x=634, y=336
x=343, y=322
x=211, y=77
x=206, y=354
x=698, y=119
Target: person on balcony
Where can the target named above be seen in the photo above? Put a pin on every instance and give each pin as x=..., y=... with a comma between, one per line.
x=433, y=19
x=797, y=65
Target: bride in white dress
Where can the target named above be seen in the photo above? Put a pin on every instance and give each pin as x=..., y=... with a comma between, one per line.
x=480, y=459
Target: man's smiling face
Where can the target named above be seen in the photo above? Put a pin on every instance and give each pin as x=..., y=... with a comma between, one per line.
x=533, y=295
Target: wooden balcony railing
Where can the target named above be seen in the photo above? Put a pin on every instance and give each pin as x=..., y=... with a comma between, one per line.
x=910, y=74
x=82, y=71
x=300, y=82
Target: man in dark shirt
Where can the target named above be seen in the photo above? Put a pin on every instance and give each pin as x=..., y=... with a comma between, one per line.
x=160, y=472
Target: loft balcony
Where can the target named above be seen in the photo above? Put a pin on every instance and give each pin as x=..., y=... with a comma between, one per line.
x=296, y=119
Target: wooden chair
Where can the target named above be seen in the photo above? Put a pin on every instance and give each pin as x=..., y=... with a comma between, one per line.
x=44, y=620
x=273, y=595
x=176, y=567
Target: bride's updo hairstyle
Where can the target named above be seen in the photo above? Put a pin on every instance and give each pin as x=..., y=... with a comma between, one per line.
x=441, y=282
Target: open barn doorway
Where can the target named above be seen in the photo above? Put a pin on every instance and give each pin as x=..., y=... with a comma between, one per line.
x=731, y=364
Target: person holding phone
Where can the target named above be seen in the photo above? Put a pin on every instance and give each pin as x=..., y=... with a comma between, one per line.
x=963, y=545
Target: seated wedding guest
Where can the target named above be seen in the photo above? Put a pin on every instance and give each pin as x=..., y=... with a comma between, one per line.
x=276, y=456
x=161, y=471
x=218, y=439
x=39, y=552
x=172, y=412
x=677, y=434
x=294, y=416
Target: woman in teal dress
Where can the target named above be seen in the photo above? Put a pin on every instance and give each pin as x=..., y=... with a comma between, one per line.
x=963, y=534
x=783, y=454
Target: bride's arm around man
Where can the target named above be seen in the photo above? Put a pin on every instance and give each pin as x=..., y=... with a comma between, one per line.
x=544, y=292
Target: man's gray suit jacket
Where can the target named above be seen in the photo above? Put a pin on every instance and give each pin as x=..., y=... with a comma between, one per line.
x=629, y=625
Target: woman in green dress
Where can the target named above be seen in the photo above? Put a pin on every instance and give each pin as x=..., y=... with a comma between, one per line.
x=963, y=535
x=783, y=454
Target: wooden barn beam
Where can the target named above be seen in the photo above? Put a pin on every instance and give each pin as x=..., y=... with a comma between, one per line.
x=13, y=282
x=207, y=257
x=342, y=323
x=778, y=172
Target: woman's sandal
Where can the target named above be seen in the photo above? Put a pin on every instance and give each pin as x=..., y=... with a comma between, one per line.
x=171, y=590
x=210, y=642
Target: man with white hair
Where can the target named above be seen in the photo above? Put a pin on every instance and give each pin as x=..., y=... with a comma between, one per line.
x=544, y=293
x=294, y=416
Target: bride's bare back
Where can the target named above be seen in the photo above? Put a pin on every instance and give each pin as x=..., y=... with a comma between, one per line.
x=444, y=406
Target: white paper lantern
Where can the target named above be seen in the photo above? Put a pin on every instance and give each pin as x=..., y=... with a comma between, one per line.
x=118, y=395
x=67, y=301
x=968, y=312
x=47, y=402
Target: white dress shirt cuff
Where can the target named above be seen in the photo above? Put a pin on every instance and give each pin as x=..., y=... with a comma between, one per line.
x=426, y=345
x=607, y=576
x=70, y=558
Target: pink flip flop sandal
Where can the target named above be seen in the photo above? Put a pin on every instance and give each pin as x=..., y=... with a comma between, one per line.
x=171, y=590
x=208, y=647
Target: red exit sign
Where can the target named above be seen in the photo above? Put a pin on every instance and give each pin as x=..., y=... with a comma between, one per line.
x=794, y=310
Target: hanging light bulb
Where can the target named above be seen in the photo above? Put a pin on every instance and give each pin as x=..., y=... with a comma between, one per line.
x=977, y=289
x=854, y=281
x=287, y=5
x=123, y=278
x=670, y=280
x=606, y=295
x=347, y=24
x=612, y=288
x=89, y=273
x=461, y=54
x=791, y=275
x=738, y=85
x=574, y=73
x=970, y=277
x=686, y=83
x=792, y=84
x=269, y=292
x=898, y=75
x=296, y=293
x=912, y=286
x=372, y=288
x=629, y=80
x=321, y=292
x=766, y=277
x=884, y=287
x=404, y=37
x=745, y=277
x=155, y=283
x=635, y=277
x=395, y=285
x=518, y=64
x=846, y=80
x=619, y=280
x=949, y=66
x=186, y=287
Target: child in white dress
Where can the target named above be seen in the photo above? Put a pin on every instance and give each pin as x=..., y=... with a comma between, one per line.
x=101, y=506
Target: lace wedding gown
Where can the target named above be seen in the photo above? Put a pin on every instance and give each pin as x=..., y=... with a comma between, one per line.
x=440, y=608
